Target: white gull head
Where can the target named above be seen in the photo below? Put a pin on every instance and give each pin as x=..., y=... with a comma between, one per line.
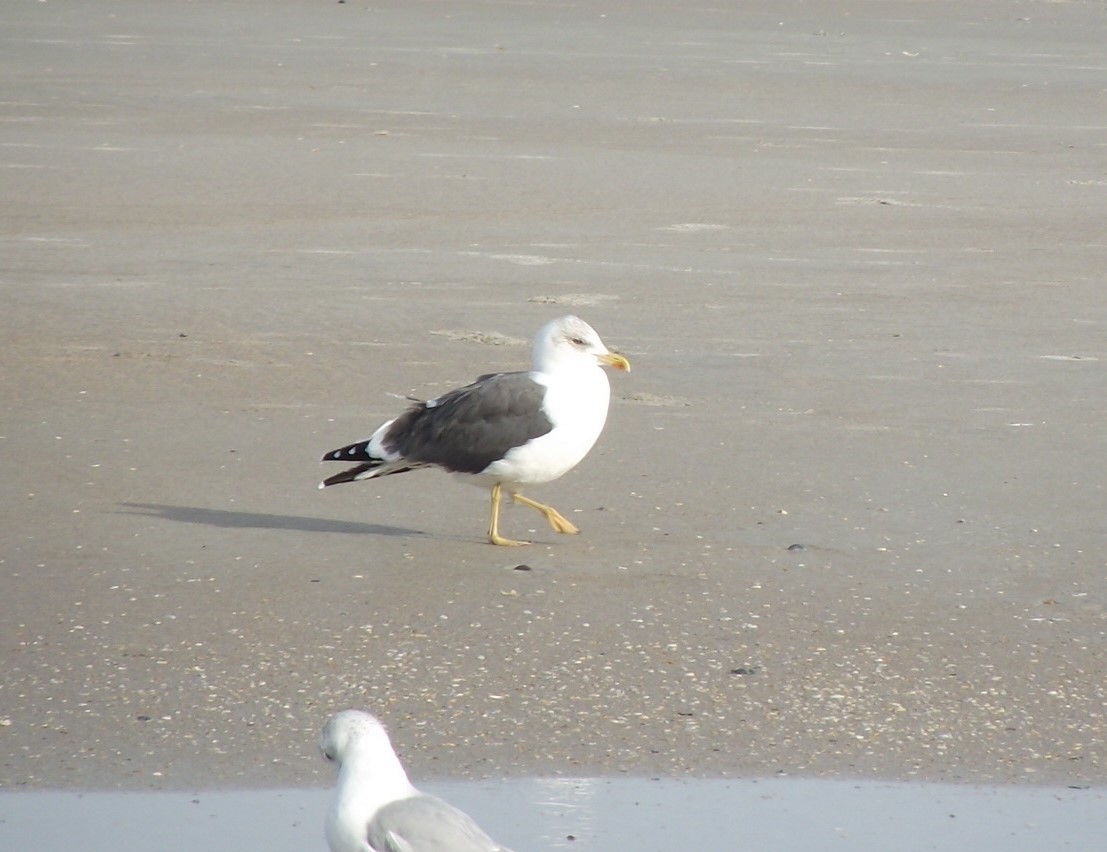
x=375, y=807
x=569, y=342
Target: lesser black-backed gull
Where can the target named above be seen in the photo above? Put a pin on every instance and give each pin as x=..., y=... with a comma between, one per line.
x=505, y=430
x=375, y=806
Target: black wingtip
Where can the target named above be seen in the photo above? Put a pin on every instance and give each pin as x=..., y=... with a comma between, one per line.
x=358, y=452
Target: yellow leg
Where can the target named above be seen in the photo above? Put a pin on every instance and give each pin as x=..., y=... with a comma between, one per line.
x=494, y=522
x=553, y=517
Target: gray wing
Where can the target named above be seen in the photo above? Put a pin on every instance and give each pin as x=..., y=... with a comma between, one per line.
x=427, y=824
x=467, y=429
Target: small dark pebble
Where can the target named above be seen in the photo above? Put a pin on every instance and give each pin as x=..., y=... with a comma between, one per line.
x=143, y=718
x=744, y=670
x=522, y=568
x=182, y=334
x=795, y=547
x=570, y=837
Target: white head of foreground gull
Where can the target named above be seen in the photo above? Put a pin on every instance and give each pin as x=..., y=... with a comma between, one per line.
x=376, y=809
x=505, y=430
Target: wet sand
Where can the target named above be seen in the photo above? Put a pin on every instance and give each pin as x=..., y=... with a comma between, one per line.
x=854, y=252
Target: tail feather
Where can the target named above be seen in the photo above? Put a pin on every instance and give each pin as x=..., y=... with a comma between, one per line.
x=366, y=470
x=350, y=474
x=369, y=471
x=368, y=461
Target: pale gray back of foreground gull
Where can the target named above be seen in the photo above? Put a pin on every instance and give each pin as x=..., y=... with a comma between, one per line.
x=376, y=808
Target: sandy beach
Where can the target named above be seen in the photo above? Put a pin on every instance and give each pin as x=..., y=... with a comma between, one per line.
x=847, y=517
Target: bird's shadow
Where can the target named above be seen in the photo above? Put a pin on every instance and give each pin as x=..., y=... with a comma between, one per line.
x=258, y=520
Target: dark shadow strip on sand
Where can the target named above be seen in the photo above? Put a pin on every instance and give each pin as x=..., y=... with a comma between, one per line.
x=256, y=520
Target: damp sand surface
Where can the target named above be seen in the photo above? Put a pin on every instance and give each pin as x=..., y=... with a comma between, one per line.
x=847, y=517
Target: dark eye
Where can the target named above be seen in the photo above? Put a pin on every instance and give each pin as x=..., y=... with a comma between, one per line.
x=577, y=341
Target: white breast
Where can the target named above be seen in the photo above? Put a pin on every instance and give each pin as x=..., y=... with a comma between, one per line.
x=576, y=402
